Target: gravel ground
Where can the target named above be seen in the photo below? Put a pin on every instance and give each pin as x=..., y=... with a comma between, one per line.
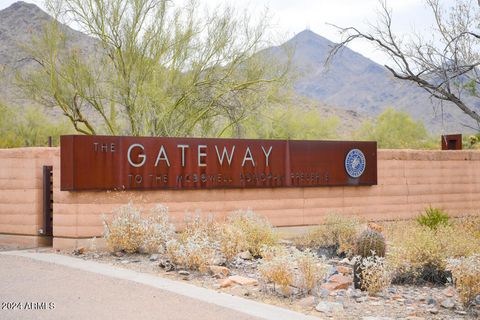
x=397, y=302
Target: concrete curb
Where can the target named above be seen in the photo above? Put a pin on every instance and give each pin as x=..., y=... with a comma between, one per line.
x=245, y=306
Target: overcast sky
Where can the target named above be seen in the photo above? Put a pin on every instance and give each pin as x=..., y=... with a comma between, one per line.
x=292, y=16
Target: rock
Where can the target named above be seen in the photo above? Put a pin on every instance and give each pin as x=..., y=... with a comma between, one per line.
x=243, y=281
x=124, y=261
x=225, y=283
x=307, y=302
x=219, y=261
x=153, y=257
x=323, y=292
x=449, y=292
x=344, y=270
x=431, y=301
x=331, y=271
x=337, y=282
x=376, y=318
x=433, y=310
x=347, y=261
x=329, y=307
x=79, y=251
x=285, y=242
x=361, y=299
x=329, y=286
x=477, y=300
x=167, y=265
x=448, y=303
x=219, y=271
x=183, y=273
x=96, y=256
x=461, y=312
x=356, y=293
x=119, y=254
x=392, y=290
x=245, y=255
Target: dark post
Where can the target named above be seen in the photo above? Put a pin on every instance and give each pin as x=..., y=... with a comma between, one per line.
x=452, y=142
x=47, y=200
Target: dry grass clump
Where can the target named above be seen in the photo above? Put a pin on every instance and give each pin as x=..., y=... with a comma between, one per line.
x=126, y=231
x=302, y=269
x=420, y=254
x=277, y=267
x=159, y=230
x=232, y=241
x=130, y=232
x=280, y=271
x=195, y=248
x=375, y=274
x=311, y=270
x=469, y=225
x=257, y=231
x=338, y=232
x=466, y=276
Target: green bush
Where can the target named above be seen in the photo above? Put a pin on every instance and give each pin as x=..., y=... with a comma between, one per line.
x=433, y=217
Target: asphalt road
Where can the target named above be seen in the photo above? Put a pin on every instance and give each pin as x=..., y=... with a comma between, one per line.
x=60, y=292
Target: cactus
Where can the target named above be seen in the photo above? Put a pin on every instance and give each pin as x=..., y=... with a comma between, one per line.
x=370, y=243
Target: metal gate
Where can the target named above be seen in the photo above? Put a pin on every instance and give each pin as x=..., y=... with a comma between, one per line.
x=47, y=200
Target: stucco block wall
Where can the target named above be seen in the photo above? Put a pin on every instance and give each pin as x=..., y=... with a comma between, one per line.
x=21, y=194
x=408, y=182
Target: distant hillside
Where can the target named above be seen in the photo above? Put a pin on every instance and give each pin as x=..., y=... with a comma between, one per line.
x=357, y=83
x=352, y=88
x=18, y=24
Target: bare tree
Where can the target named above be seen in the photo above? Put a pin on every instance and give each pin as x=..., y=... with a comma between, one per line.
x=446, y=65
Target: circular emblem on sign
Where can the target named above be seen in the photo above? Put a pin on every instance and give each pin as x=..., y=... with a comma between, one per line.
x=355, y=163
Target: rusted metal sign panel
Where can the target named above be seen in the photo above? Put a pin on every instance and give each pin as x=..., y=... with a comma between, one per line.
x=117, y=163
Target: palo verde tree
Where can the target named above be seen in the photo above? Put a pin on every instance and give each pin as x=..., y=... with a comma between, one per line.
x=446, y=65
x=157, y=69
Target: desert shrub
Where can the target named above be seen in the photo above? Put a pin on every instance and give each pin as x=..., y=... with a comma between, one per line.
x=466, y=276
x=159, y=230
x=231, y=240
x=433, y=217
x=375, y=274
x=196, y=224
x=195, y=248
x=126, y=231
x=420, y=254
x=257, y=230
x=310, y=268
x=278, y=269
x=338, y=233
x=130, y=232
x=292, y=267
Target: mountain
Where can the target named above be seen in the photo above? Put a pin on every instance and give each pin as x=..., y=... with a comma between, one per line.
x=19, y=23
x=352, y=81
x=352, y=87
